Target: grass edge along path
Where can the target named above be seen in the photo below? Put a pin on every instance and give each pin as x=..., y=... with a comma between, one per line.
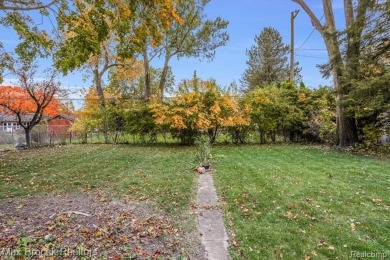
x=302, y=202
x=210, y=221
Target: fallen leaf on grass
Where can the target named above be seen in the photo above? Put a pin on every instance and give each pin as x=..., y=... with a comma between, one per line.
x=353, y=227
x=244, y=208
x=302, y=231
x=309, y=201
x=84, y=230
x=98, y=233
x=321, y=242
x=290, y=215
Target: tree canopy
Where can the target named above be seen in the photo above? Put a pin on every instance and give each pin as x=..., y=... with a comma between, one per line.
x=267, y=60
x=15, y=5
x=34, y=98
x=194, y=36
x=90, y=23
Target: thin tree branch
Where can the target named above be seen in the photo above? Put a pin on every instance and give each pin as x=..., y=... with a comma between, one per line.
x=316, y=23
x=21, y=8
x=348, y=13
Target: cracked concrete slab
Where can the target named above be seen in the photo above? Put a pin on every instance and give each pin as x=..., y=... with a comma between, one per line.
x=207, y=195
x=209, y=220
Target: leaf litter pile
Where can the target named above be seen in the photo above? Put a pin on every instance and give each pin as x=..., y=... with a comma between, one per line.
x=69, y=226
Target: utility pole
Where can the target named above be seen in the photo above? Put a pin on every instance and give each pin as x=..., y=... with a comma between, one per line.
x=293, y=15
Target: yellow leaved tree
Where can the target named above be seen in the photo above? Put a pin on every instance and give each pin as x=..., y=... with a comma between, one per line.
x=199, y=107
x=90, y=118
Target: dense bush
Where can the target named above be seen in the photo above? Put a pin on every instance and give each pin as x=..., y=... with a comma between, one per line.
x=273, y=113
x=199, y=107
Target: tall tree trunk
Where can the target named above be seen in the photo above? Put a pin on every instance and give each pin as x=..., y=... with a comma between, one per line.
x=346, y=131
x=212, y=133
x=102, y=102
x=355, y=25
x=99, y=87
x=27, y=132
x=148, y=91
x=261, y=135
x=116, y=137
x=346, y=124
x=273, y=136
x=164, y=74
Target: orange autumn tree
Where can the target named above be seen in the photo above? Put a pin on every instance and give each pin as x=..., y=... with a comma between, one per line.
x=31, y=101
x=199, y=107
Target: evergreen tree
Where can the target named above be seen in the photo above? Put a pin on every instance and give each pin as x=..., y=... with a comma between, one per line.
x=370, y=97
x=345, y=53
x=267, y=60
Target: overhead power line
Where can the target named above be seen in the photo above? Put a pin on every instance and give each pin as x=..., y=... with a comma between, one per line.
x=300, y=49
x=308, y=37
x=312, y=56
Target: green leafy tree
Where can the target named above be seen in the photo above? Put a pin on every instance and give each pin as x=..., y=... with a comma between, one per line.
x=345, y=57
x=106, y=34
x=90, y=23
x=194, y=36
x=370, y=97
x=139, y=120
x=375, y=45
x=279, y=110
x=15, y=5
x=267, y=60
x=320, y=111
x=34, y=42
x=122, y=24
x=269, y=110
x=134, y=86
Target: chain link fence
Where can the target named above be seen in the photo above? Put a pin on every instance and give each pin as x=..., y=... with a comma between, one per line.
x=40, y=136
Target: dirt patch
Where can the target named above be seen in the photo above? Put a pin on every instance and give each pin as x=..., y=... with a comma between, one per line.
x=67, y=226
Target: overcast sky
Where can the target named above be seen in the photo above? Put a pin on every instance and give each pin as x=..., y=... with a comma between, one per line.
x=246, y=19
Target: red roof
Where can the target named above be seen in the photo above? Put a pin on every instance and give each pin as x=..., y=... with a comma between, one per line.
x=68, y=117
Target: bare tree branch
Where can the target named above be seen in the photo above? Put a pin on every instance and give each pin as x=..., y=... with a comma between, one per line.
x=348, y=13
x=315, y=21
x=23, y=5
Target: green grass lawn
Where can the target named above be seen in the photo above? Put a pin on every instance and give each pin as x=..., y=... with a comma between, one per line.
x=288, y=202
x=139, y=201
x=294, y=202
x=163, y=175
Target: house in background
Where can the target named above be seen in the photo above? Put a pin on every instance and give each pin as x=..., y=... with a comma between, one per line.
x=9, y=122
x=58, y=126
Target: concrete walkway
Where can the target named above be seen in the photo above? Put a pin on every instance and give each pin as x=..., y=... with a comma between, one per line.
x=210, y=221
